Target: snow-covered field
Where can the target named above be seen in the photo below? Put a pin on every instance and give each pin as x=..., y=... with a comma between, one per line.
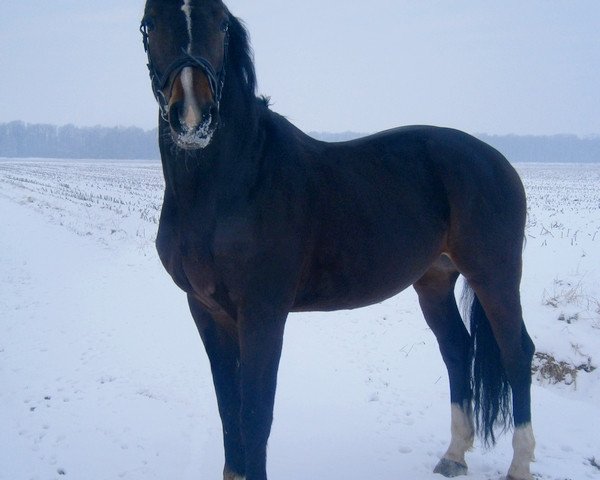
x=103, y=376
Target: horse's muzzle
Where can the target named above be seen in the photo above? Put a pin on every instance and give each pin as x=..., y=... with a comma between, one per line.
x=192, y=128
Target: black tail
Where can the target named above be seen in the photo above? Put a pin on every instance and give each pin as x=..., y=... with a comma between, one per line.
x=491, y=390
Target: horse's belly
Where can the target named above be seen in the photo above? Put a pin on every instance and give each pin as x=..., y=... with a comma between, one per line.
x=330, y=301
x=363, y=280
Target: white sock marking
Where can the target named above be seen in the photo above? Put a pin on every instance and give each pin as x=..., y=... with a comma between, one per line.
x=186, y=8
x=463, y=434
x=227, y=475
x=523, y=447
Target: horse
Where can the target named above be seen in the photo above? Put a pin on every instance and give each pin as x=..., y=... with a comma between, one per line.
x=260, y=220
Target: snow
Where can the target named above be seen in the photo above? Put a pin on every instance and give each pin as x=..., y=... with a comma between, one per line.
x=103, y=375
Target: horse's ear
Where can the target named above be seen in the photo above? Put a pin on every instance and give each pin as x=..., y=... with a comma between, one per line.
x=240, y=53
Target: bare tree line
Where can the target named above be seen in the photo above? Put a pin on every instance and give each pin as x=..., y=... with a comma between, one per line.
x=20, y=140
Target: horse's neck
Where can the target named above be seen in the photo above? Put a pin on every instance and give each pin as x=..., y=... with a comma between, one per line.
x=223, y=168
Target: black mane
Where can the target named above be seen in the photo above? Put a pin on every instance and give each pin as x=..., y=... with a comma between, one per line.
x=240, y=55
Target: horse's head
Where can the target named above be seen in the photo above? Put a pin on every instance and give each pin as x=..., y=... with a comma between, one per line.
x=187, y=42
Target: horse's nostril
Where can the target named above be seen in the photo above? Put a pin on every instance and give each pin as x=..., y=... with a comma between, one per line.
x=175, y=117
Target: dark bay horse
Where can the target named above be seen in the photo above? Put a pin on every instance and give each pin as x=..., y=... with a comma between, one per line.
x=260, y=220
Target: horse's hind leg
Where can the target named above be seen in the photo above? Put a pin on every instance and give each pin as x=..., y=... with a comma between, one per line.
x=222, y=347
x=500, y=303
x=436, y=297
x=502, y=348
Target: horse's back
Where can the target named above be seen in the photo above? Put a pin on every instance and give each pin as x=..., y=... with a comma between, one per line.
x=477, y=180
x=443, y=173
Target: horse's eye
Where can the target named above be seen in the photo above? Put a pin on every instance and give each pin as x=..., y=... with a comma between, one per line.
x=225, y=25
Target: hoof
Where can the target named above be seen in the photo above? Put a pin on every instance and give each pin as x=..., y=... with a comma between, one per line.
x=449, y=468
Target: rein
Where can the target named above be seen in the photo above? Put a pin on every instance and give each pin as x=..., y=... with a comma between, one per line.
x=160, y=80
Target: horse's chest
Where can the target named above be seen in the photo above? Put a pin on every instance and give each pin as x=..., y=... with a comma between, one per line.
x=189, y=262
x=198, y=267
x=200, y=261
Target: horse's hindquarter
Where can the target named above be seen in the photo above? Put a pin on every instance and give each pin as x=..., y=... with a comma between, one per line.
x=382, y=217
x=487, y=204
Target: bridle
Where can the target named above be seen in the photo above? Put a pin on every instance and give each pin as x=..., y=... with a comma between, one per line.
x=160, y=81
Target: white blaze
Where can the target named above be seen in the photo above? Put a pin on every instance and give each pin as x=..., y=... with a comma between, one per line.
x=191, y=111
x=196, y=133
x=186, y=8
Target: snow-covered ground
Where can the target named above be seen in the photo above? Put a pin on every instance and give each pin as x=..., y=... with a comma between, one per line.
x=103, y=376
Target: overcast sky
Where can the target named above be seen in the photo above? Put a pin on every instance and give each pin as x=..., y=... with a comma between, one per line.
x=510, y=66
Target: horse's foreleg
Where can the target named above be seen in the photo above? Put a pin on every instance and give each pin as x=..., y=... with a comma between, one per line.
x=261, y=338
x=436, y=297
x=222, y=346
